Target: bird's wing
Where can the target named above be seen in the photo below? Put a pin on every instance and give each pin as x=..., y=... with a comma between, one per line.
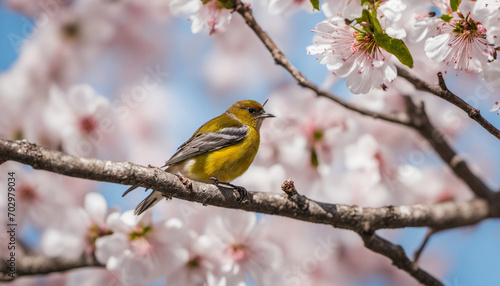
x=207, y=142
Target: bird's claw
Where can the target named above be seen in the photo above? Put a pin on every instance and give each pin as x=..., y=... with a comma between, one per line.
x=185, y=181
x=241, y=190
x=215, y=181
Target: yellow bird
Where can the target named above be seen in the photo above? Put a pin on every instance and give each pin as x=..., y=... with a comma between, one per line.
x=220, y=150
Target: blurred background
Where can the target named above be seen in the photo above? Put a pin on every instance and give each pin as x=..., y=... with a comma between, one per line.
x=138, y=67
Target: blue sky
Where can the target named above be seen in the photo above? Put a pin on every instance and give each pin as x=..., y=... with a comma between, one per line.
x=472, y=252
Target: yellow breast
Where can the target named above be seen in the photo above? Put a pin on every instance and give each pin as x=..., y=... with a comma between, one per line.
x=225, y=164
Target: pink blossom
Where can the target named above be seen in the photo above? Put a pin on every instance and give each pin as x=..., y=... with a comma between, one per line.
x=341, y=8
x=209, y=15
x=82, y=121
x=288, y=7
x=461, y=42
x=245, y=248
x=41, y=196
x=366, y=158
x=495, y=107
x=202, y=266
x=236, y=47
x=139, y=250
x=353, y=54
x=79, y=230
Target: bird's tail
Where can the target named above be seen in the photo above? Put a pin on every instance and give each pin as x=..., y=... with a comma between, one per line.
x=130, y=189
x=147, y=203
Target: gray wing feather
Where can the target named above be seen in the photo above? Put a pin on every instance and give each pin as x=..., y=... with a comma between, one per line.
x=208, y=142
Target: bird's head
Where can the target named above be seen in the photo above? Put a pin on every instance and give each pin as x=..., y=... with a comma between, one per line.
x=249, y=112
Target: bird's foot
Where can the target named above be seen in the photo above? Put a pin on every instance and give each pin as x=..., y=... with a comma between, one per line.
x=241, y=190
x=215, y=181
x=185, y=181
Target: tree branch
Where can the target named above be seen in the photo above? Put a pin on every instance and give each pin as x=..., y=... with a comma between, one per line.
x=420, y=121
x=440, y=215
x=41, y=264
x=291, y=204
x=419, y=251
x=364, y=221
x=398, y=256
x=246, y=12
x=417, y=120
x=443, y=92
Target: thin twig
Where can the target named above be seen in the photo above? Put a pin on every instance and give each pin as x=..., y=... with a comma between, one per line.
x=420, y=121
x=398, y=256
x=443, y=92
x=246, y=12
x=427, y=130
x=40, y=264
x=419, y=251
x=361, y=220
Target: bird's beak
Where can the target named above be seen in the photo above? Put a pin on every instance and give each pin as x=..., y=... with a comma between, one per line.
x=266, y=115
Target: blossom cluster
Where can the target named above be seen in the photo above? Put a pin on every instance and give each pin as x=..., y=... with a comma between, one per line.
x=463, y=38
x=93, y=79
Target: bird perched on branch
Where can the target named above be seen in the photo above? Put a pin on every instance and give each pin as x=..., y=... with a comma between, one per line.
x=219, y=151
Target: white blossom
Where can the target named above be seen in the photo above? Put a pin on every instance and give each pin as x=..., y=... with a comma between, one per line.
x=139, y=250
x=353, y=54
x=461, y=42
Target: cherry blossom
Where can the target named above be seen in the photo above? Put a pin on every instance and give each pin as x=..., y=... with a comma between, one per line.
x=245, y=248
x=182, y=7
x=491, y=72
x=488, y=12
x=267, y=183
x=305, y=136
x=80, y=229
x=344, y=8
x=462, y=42
x=139, y=250
x=235, y=48
x=41, y=196
x=369, y=159
x=139, y=124
x=495, y=107
x=64, y=39
x=392, y=12
x=82, y=120
x=202, y=266
x=288, y=7
x=71, y=89
x=353, y=54
x=210, y=15
x=436, y=185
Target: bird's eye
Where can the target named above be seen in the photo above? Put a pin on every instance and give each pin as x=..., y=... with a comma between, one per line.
x=251, y=110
